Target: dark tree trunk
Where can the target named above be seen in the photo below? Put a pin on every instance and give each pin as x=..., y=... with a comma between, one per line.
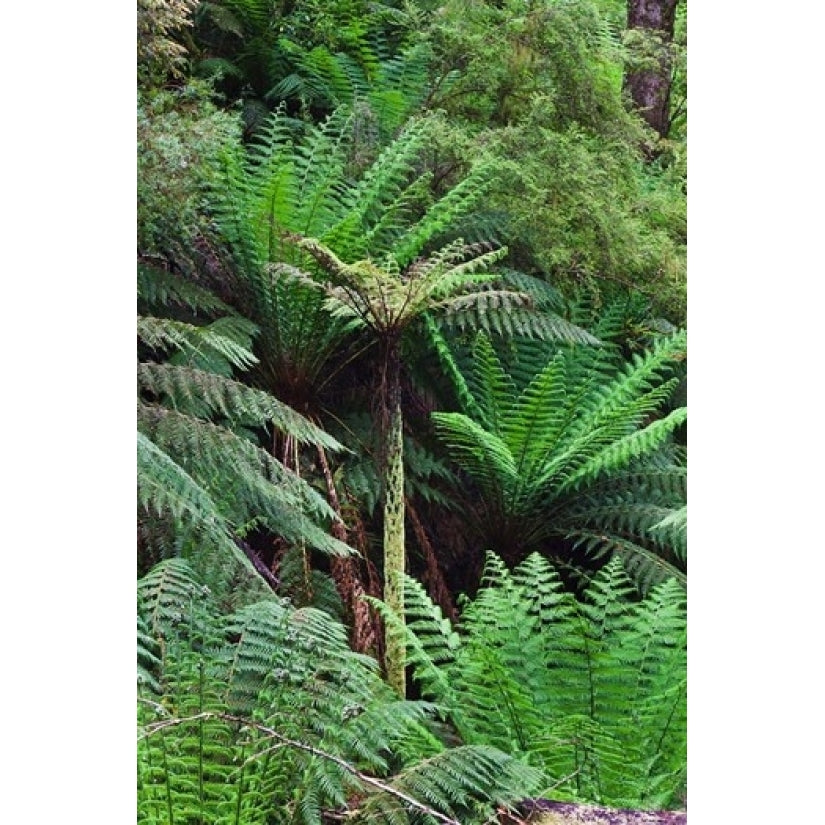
x=648, y=82
x=345, y=573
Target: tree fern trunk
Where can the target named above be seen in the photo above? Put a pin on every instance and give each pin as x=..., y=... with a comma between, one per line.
x=394, y=551
x=363, y=636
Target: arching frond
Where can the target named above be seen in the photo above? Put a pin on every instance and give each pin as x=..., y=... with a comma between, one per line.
x=240, y=405
x=473, y=779
x=221, y=337
x=247, y=481
x=545, y=454
x=158, y=288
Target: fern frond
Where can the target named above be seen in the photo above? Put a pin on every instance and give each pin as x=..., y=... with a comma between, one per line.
x=510, y=314
x=458, y=782
x=148, y=658
x=460, y=200
x=481, y=453
x=166, y=492
x=450, y=367
x=165, y=334
x=247, y=481
x=625, y=450
x=672, y=528
x=239, y=404
x=432, y=643
x=164, y=486
x=648, y=566
x=159, y=288
x=166, y=595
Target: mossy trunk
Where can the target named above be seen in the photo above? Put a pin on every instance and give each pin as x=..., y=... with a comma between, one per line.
x=394, y=550
x=649, y=82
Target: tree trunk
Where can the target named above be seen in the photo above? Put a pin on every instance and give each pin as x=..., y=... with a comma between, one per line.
x=363, y=635
x=648, y=82
x=394, y=551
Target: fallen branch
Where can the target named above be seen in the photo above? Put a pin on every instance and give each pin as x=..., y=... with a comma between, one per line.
x=284, y=741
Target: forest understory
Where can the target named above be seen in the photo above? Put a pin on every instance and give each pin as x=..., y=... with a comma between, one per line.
x=411, y=412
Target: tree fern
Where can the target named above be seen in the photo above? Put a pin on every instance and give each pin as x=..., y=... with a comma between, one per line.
x=552, y=458
x=202, y=478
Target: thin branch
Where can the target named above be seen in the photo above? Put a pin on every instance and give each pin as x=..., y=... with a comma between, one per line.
x=284, y=741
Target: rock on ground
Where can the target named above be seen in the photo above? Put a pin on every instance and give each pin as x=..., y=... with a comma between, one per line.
x=546, y=812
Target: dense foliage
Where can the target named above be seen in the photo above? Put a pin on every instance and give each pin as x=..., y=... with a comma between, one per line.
x=591, y=690
x=411, y=371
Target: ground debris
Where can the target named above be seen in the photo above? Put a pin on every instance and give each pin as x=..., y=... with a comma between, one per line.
x=547, y=812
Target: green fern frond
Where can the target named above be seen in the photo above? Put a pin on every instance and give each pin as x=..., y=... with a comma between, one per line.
x=590, y=691
x=432, y=642
x=509, y=314
x=460, y=200
x=648, y=566
x=481, y=453
x=164, y=486
x=239, y=404
x=450, y=367
x=672, y=526
x=246, y=481
x=159, y=288
x=166, y=595
x=627, y=449
x=221, y=336
x=459, y=782
x=518, y=305
x=166, y=492
x=148, y=658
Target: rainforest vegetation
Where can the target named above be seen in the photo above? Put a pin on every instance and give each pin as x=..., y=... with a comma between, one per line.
x=411, y=409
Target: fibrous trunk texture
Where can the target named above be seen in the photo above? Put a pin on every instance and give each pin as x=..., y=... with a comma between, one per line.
x=649, y=87
x=346, y=576
x=394, y=552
